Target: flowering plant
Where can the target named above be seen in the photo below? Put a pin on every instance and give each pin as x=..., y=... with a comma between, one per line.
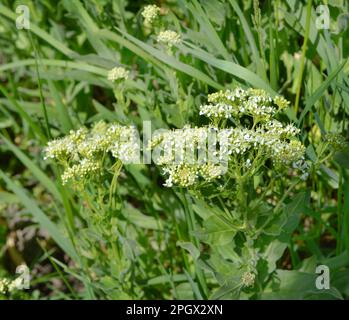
x=224, y=166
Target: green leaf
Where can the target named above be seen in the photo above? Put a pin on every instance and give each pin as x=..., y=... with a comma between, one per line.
x=207, y=28
x=292, y=211
x=230, y=67
x=273, y=253
x=216, y=231
x=7, y=197
x=62, y=110
x=36, y=129
x=40, y=33
x=194, y=252
x=249, y=36
x=166, y=278
x=141, y=220
x=91, y=29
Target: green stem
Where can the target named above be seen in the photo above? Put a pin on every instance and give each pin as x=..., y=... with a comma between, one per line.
x=42, y=99
x=285, y=195
x=117, y=169
x=191, y=226
x=304, y=50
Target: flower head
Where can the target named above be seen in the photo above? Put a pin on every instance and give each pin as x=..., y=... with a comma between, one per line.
x=248, y=279
x=83, y=151
x=169, y=37
x=118, y=73
x=150, y=13
x=236, y=103
x=281, y=102
x=78, y=172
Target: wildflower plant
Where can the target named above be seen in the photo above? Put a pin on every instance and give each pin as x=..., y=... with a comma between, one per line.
x=244, y=144
x=89, y=158
x=223, y=166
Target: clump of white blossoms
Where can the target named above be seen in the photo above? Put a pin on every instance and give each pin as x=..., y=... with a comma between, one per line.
x=169, y=37
x=239, y=102
x=239, y=149
x=83, y=152
x=118, y=73
x=7, y=285
x=183, y=155
x=150, y=13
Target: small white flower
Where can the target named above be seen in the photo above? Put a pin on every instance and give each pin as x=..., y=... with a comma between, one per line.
x=118, y=73
x=169, y=37
x=248, y=279
x=150, y=14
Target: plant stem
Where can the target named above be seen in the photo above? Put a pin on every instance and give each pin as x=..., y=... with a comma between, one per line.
x=285, y=195
x=191, y=225
x=304, y=50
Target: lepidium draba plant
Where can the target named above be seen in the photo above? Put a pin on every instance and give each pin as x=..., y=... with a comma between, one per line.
x=92, y=160
x=239, y=170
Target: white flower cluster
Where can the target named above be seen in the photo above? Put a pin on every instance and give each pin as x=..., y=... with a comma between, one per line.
x=7, y=285
x=118, y=73
x=286, y=153
x=218, y=110
x=186, y=175
x=82, y=151
x=169, y=37
x=150, y=14
x=215, y=148
x=190, y=153
x=178, y=145
x=183, y=155
x=273, y=144
x=276, y=128
x=81, y=170
x=238, y=102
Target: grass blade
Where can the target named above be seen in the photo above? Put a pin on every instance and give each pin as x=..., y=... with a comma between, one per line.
x=319, y=91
